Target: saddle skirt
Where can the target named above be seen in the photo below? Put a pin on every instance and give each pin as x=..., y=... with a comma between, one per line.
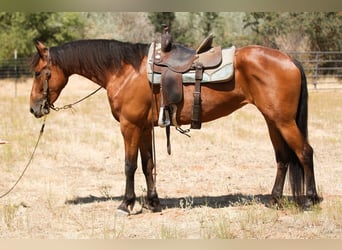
x=223, y=72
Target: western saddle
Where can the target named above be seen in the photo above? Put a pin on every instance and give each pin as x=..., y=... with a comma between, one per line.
x=171, y=61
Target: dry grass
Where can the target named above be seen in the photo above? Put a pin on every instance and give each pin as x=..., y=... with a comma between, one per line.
x=214, y=185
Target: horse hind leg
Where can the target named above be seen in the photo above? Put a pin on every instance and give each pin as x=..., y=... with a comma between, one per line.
x=302, y=162
x=282, y=155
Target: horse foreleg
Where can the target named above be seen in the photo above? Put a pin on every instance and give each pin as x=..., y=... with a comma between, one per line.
x=153, y=202
x=131, y=135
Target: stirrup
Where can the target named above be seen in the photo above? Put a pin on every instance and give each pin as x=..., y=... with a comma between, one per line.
x=164, y=118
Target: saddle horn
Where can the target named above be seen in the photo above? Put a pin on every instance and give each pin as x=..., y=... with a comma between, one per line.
x=166, y=39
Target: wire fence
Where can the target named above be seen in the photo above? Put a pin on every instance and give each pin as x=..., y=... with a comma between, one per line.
x=15, y=68
x=320, y=67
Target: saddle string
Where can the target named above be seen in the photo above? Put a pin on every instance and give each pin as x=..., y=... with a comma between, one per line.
x=184, y=131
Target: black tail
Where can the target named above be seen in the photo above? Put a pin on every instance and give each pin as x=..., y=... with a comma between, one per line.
x=296, y=171
x=302, y=114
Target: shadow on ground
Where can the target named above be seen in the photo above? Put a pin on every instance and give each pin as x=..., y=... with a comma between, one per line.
x=189, y=201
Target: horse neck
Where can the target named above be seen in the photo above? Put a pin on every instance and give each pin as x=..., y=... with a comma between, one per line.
x=98, y=60
x=99, y=77
x=81, y=67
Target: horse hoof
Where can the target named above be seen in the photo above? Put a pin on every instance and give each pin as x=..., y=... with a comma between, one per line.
x=122, y=213
x=310, y=202
x=155, y=209
x=154, y=205
x=123, y=209
x=274, y=203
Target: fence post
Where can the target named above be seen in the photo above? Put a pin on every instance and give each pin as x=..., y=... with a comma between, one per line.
x=15, y=72
x=316, y=70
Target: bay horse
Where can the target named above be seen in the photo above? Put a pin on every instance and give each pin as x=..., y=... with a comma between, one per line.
x=267, y=78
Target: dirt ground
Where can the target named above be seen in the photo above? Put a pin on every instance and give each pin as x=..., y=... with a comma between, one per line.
x=214, y=185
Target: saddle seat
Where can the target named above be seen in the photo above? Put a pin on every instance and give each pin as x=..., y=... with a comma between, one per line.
x=172, y=64
x=169, y=69
x=181, y=59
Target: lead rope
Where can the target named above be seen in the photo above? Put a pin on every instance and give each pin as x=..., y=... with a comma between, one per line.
x=69, y=106
x=40, y=136
x=29, y=161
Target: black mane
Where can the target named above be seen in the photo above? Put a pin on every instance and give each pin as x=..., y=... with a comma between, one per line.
x=96, y=56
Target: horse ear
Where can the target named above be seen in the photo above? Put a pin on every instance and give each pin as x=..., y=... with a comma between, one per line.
x=41, y=49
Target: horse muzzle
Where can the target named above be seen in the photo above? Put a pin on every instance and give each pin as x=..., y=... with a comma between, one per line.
x=40, y=109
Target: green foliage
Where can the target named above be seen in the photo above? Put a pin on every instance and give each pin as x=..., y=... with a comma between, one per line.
x=190, y=28
x=267, y=26
x=159, y=18
x=19, y=29
x=183, y=30
x=317, y=30
x=298, y=31
x=213, y=23
x=208, y=21
x=322, y=29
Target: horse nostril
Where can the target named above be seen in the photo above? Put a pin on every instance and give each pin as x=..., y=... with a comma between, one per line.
x=31, y=110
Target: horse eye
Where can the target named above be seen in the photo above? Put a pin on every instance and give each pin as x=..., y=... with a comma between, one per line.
x=37, y=74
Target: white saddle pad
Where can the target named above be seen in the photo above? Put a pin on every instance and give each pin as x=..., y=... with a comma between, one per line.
x=224, y=72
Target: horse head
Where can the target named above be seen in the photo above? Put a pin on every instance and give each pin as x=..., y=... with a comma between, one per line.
x=48, y=81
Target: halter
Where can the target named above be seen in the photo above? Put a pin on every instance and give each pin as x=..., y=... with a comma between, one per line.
x=46, y=98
